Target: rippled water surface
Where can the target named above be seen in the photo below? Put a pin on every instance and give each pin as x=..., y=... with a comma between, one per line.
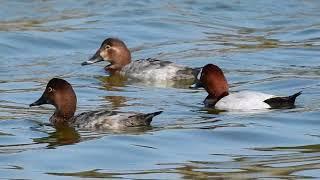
x=270, y=46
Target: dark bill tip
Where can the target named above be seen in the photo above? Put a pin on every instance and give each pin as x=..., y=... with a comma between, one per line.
x=94, y=59
x=86, y=63
x=39, y=102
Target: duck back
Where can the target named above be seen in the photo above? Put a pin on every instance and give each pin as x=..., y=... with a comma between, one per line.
x=157, y=70
x=246, y=100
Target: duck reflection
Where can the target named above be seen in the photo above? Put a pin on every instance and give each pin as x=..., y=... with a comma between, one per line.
x=113, y=82
x=69, y=135
x=61, y=136
x=116, y=101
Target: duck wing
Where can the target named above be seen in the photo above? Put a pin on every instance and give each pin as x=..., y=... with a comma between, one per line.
x=112, y=119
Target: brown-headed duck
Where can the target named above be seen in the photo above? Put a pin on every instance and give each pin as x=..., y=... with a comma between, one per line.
x=60, y=94
x=118, y=55
x=214, y=82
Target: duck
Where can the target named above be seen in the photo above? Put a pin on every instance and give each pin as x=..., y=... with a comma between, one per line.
x=118, y=55
x=61, y=95
x=215, y=83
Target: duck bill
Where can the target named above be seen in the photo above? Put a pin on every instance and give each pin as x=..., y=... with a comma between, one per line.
x=40, y=101
x=94, y=59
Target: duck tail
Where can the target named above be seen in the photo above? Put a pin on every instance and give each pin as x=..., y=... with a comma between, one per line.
x=294, y=96
x=148, y=117
x=283, y=102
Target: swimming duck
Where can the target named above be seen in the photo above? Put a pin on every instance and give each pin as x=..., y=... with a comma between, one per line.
x=215, y=83
x=118, y=55
x=60, y=94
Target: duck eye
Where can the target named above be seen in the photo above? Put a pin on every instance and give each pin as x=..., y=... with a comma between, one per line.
x=50, y=89
x=107, y=47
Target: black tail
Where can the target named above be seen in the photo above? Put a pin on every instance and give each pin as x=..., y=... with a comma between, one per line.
x=283, y=102
x=148, y=117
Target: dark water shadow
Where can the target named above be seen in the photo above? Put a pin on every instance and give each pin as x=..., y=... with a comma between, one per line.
x=312, y=148
x=238, y=167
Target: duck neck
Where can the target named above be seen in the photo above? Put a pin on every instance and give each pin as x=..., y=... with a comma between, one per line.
x=61, y=117
x=114, y=67
x=211, y=100
x=64, y=112
x=122, y=59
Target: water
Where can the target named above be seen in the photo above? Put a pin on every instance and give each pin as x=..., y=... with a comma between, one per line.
x=270, y=46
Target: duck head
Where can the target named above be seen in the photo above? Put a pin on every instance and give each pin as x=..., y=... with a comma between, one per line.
x=112, y=50
x=60, y=94
x=214, y=82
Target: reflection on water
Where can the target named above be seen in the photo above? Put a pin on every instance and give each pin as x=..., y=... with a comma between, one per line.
x=116, y=101
x=62, y=136
x=270, y=46
x=113, y=83
x=244, y=167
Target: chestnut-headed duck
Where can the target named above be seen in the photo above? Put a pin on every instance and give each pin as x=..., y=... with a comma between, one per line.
x=214, y=82
x=118, y=55
x=60, y=94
